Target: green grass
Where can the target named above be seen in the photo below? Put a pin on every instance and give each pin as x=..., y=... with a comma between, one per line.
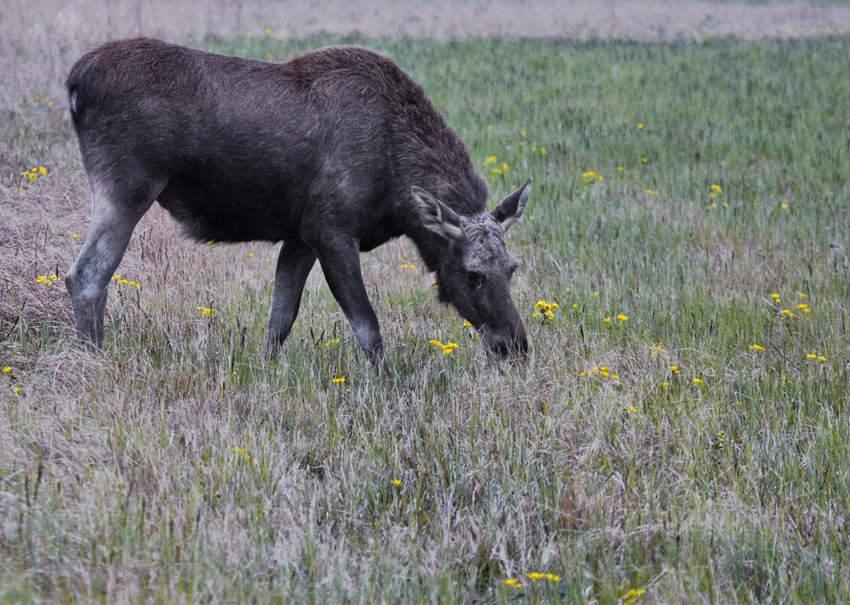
x=181, y=465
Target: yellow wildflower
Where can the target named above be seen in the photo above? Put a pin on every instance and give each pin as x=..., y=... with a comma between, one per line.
x=652, y=191
x=490, y=160
x=17, y=390
x=607, y=320
x=7, y=370
x=535, y=575
x=633, y=594
x=674, y=369
x=622, y=317
x=640, y=126
x=396, y=482
x=698, y=382
x=204, y=310
x=715, y=190
x=552, y=577
x=338, y=380
x=755, y=347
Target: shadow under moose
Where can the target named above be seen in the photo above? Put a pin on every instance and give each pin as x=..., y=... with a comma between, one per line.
x=332, y=153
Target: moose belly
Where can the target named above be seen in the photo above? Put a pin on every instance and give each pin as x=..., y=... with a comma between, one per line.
x=217, y=208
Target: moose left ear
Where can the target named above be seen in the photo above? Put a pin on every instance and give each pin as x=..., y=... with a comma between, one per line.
x=435, y=215
x=510, y=209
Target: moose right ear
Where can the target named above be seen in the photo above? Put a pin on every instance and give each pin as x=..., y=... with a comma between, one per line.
x=435, y=215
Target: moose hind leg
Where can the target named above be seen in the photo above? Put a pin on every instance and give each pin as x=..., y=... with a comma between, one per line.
x=115, y=213
x=293, y=266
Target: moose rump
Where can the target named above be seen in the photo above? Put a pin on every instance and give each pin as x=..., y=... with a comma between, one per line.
x=319, y=153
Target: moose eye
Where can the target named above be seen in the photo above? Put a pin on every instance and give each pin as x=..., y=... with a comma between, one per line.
x=474, y=279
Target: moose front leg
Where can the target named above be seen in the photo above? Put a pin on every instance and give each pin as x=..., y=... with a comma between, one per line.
x=340, y=261
x=293, y=266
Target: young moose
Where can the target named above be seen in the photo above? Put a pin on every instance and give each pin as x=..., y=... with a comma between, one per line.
x=332, y=153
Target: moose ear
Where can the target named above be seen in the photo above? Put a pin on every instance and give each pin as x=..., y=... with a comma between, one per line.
x=435, y=215
x=510, y=209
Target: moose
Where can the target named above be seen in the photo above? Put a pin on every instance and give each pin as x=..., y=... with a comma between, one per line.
x=332, y=153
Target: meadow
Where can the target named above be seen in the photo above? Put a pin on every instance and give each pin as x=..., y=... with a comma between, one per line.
x=680, y=432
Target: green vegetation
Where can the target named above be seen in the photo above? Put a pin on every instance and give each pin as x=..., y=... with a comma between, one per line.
x=183, y=466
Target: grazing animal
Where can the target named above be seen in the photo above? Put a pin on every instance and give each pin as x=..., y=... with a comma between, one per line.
x=332, y=153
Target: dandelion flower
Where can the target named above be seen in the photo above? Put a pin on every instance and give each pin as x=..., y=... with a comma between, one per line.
x=534, y=575
x=17, y=390
x=396, y=482
x=698, y=382
x=755, y=347
x=622, y=317
x=7, y=370
x=338, y=380
x=490, y=160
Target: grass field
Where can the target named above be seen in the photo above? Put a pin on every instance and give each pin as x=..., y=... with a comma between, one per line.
x=681, y=427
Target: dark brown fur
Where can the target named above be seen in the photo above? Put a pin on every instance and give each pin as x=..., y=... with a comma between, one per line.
x=321, y=153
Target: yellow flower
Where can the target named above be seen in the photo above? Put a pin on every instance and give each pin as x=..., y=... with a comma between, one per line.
x=535, y=575
x=633, y=594
x=396, y=482
x=640, y=126
x=16, y=389
x=607, y=320
x=755, y=347
x=511, y=582
x=674, y=369
x=42, y=170
x=595, y=293
x=466, y=324
x=715, y=190
x=698, y=382
x=268, y=31
x=490, y=160
x=338, y=380
x=644, y=160
x=204, y=310
x=589, y=177
x=7, y=370
x=632, y=409
x=665, y=384
x=552, y=577
x=821, y=358
x=803, y=295
x=622, y=317
x=76, y=236
x=787, y=313
x=652, y=191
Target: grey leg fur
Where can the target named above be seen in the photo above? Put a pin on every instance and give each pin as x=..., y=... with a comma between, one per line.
x=114, y=216
x=340, y=263
x=293, y=266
